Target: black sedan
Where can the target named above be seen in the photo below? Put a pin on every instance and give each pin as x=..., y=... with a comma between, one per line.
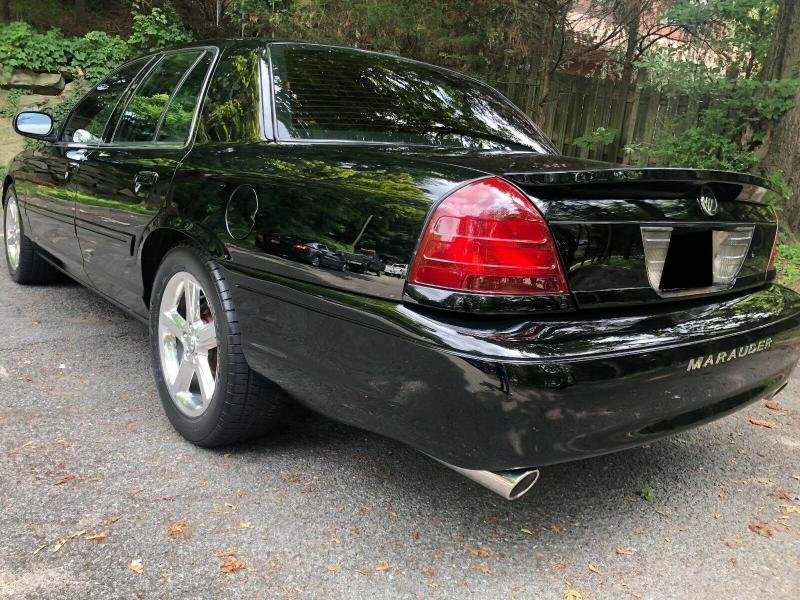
x=553, y=308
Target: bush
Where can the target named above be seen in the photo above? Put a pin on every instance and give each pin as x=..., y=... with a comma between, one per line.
x=156, y=30
x=96, y=53
x=23, y=47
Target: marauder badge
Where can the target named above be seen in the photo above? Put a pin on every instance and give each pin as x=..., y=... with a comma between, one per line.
x=701, y=362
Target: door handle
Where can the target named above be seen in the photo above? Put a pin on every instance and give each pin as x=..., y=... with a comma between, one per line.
x=144, y=180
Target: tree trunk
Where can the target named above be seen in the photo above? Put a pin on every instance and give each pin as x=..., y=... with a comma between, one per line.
x=627, y=85
x=782, y=147
x=5, y=11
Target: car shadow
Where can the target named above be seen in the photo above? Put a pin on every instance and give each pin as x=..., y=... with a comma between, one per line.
x=594, y=491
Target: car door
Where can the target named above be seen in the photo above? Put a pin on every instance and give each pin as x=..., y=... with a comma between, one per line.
x=125, y=181
x=48, y=189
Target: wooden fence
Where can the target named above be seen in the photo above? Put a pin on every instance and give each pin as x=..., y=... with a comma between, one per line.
x=578, y=105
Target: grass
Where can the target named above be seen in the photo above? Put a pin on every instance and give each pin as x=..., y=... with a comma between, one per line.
x=788, y=264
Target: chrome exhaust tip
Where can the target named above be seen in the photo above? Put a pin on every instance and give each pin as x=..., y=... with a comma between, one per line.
x=509, y=484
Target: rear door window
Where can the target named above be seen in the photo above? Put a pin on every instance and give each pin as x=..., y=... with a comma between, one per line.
x=140, y=120
x=88, y=121
x=177, y=122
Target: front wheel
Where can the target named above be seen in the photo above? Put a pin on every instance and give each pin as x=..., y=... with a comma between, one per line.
x=208, y=391
x=25, y=264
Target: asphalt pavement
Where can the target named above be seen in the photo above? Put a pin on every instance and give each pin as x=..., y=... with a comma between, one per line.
x=100, y=498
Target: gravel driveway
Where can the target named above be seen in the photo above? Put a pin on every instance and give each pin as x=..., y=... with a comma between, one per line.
x=100, y=498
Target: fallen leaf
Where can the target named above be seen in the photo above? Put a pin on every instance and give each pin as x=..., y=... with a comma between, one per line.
x=226, y=553
x=478, y=551
x=796, y=477
x=781, y=495
x=178, y=529
x=760, y=528
x=773, y=405
x=647, y=494
x=135, y=492
x=383, y=567
x=245, y=525
x=560, y=566
x=232, y=565
x=333, y=569
x=625, y=551
x=416, y=535
x=66, y=479
x=733, y=561
x=332, y=537
x=485, y=569
x=16, y=450
x=790, y=508
x=97, y=537
x=554, y=528
x=762, y=423
x=428, y=571
x=136, y=566
x=573, y=595
x=594, y=569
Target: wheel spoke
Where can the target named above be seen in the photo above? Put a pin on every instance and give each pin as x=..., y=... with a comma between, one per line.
x=173, y=324
x=183, y=378
x=191, y=293
x=205, y=378
x=206, y=337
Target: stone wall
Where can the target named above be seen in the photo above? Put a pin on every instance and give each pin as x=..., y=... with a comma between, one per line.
x=40, y=91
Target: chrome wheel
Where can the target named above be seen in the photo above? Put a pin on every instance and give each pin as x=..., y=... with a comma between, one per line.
x=12, y=232
x=187, y=342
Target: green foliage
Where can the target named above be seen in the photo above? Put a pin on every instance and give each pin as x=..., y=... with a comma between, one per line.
x=647, y=494
x=12, y=103
x=158, y=29
x=788, y=264
x=23, y=47
x=96, y=53
x=601, y=135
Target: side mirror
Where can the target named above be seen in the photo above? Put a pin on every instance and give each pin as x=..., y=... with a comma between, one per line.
x=36, y=125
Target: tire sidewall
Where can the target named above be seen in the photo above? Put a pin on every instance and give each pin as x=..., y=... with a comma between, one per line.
x=11, y=271
x=191, y=260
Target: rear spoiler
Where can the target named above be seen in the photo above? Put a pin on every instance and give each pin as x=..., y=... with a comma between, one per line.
x=631, y=182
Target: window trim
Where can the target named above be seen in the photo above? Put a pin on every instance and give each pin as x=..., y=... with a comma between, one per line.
x=148, y=59
x=153, y=142
x=547, y=144
x=215, y=51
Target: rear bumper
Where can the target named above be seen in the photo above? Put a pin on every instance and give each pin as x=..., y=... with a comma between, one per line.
x=508, y=394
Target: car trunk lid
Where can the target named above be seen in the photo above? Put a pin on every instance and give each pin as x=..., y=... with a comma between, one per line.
x=630, y=235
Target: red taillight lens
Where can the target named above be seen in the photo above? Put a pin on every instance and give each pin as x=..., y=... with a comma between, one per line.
x=488, y=238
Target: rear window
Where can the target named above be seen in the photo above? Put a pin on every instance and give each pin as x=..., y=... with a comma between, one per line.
x=324, y=93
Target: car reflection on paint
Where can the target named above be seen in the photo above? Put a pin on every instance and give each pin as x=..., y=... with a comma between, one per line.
x=315, y=254
x=396, y=270
x=364, y=261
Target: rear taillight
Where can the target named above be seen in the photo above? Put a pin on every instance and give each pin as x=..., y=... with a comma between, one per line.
x=488, y=238
x=774, y=252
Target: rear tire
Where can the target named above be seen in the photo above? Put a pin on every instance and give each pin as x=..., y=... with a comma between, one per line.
x=210, y=394
x=25, y=264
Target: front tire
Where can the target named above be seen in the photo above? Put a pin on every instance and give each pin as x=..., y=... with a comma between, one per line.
x=210, y=394
x=25, y=264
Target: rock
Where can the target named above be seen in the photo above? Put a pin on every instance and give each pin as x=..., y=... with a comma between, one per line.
x=67, y=73
x=11, y=144
x=49, y=84
x=36, y=102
